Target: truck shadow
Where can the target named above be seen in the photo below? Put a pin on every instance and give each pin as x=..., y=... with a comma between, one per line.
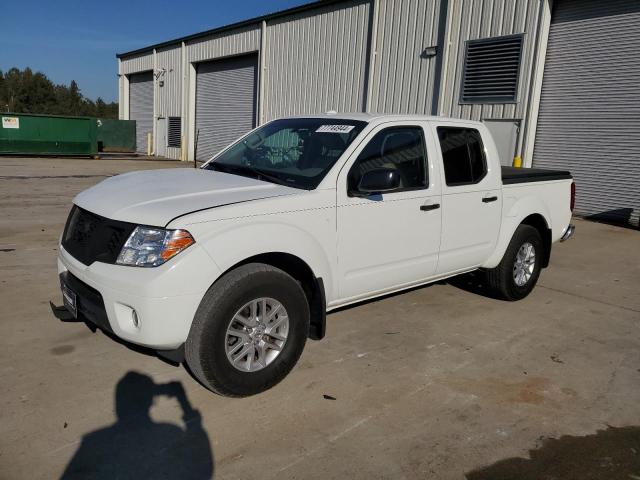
x=613, y=453
x=473, y=282
x=137, y=447
x=621, y=217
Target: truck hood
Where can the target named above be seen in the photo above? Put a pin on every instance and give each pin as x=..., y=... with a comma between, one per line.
x=155, y=197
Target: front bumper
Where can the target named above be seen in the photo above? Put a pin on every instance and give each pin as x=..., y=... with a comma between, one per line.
x=163, y=299
x=91, y=310
x=89, y=302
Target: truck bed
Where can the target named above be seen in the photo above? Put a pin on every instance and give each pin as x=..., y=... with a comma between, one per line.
x=512, y=175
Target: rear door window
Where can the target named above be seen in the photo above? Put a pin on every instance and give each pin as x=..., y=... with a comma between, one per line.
x=462, y=155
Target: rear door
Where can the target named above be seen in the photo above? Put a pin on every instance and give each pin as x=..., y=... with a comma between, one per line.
x=391, y=239
x=471, y=197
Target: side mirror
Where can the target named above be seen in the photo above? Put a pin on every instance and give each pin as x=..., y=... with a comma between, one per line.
x=378, y=180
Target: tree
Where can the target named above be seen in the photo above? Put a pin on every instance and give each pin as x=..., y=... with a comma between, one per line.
x=28, y=92
x=3, y=106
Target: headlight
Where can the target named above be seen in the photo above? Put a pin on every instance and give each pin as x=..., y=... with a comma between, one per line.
x=150, y=247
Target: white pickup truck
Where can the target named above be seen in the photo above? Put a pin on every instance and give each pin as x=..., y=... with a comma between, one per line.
x=232, y=266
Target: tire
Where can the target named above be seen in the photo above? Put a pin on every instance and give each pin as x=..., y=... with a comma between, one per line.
x=209, y=343
x=502, y=281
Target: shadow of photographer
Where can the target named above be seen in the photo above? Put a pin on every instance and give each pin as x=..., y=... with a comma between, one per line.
x=136, y=446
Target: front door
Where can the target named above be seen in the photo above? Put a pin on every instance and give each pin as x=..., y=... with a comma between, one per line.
x=389, y=240
x=161, y=137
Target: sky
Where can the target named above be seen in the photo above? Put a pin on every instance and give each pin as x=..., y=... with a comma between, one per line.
x=78, y=40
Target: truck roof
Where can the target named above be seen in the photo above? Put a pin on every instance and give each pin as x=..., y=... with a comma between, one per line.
x=381, y=117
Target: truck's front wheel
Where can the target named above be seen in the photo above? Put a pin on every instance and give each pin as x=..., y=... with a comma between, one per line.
x=518, y=271
x=249, y=331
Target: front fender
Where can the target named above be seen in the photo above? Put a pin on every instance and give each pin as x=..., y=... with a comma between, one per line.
x=233, y=241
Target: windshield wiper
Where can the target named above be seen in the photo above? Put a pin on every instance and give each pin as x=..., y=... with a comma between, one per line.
x=259, y=174
x=265, y=176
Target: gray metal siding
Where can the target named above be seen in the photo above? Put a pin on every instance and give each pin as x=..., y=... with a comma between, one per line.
x=169, y=96
x=137, y=63
x=403, y=81
x=225, y=102
x=316, y=61
x=589, y=118
x=225, y=44
x=141, y=106
x=473, y=19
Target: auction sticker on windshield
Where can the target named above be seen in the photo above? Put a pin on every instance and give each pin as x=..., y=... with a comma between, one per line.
x=335, y=128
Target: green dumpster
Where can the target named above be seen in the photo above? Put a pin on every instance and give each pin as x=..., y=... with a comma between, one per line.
x=31, y=134
x=116, y=135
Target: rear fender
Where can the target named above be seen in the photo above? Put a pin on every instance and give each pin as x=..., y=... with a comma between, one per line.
x=514, y=212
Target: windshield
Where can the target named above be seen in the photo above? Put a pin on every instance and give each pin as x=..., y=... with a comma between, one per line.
x=297, y=152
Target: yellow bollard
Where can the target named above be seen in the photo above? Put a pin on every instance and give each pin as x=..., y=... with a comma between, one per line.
x=149, y=138
x=517, y=161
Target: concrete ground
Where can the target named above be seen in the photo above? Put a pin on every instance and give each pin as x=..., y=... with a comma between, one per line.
x=438, y=382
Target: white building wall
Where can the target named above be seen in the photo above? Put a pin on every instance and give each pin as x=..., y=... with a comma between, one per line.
x=403, y=78
x=473, y=19
x=140, y=62
x=224, y=44
x=321, y=59
x=169, y=95
x=316, y=60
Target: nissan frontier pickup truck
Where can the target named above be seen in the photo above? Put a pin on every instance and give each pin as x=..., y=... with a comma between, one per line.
x=232, y=266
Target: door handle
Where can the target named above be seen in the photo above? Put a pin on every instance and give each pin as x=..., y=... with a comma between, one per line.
x=433, y=206
x=489, y=199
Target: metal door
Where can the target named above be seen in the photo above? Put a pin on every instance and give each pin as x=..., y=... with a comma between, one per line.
x=161, y=140
x=505, y=134
x=141, y=107
x=225, y=102
x=589, y=120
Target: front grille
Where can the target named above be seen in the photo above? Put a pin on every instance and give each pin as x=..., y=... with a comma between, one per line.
x=92, y=238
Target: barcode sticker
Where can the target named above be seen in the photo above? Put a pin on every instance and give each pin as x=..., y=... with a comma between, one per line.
x=335, y=128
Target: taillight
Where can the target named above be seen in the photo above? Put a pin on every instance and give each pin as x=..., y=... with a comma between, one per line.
x=573, y=195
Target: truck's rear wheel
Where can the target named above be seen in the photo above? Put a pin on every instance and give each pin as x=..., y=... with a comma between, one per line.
x=249, y=331
x=518, y=271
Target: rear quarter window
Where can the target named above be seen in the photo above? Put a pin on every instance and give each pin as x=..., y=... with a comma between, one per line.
x=462, y=155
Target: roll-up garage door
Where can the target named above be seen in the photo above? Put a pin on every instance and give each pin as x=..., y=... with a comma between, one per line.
x=589, y=120
x=141, y=107
x=225, y=102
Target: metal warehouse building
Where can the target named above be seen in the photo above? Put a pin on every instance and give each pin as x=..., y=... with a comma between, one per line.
x=557, y=81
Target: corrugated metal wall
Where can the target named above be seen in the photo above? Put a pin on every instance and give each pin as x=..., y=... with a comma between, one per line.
x=472, y=19
x=233, y=42
x=403, y=79
x=137, y=63
x=169, y=96
x=589, y=118
x=316, y=60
